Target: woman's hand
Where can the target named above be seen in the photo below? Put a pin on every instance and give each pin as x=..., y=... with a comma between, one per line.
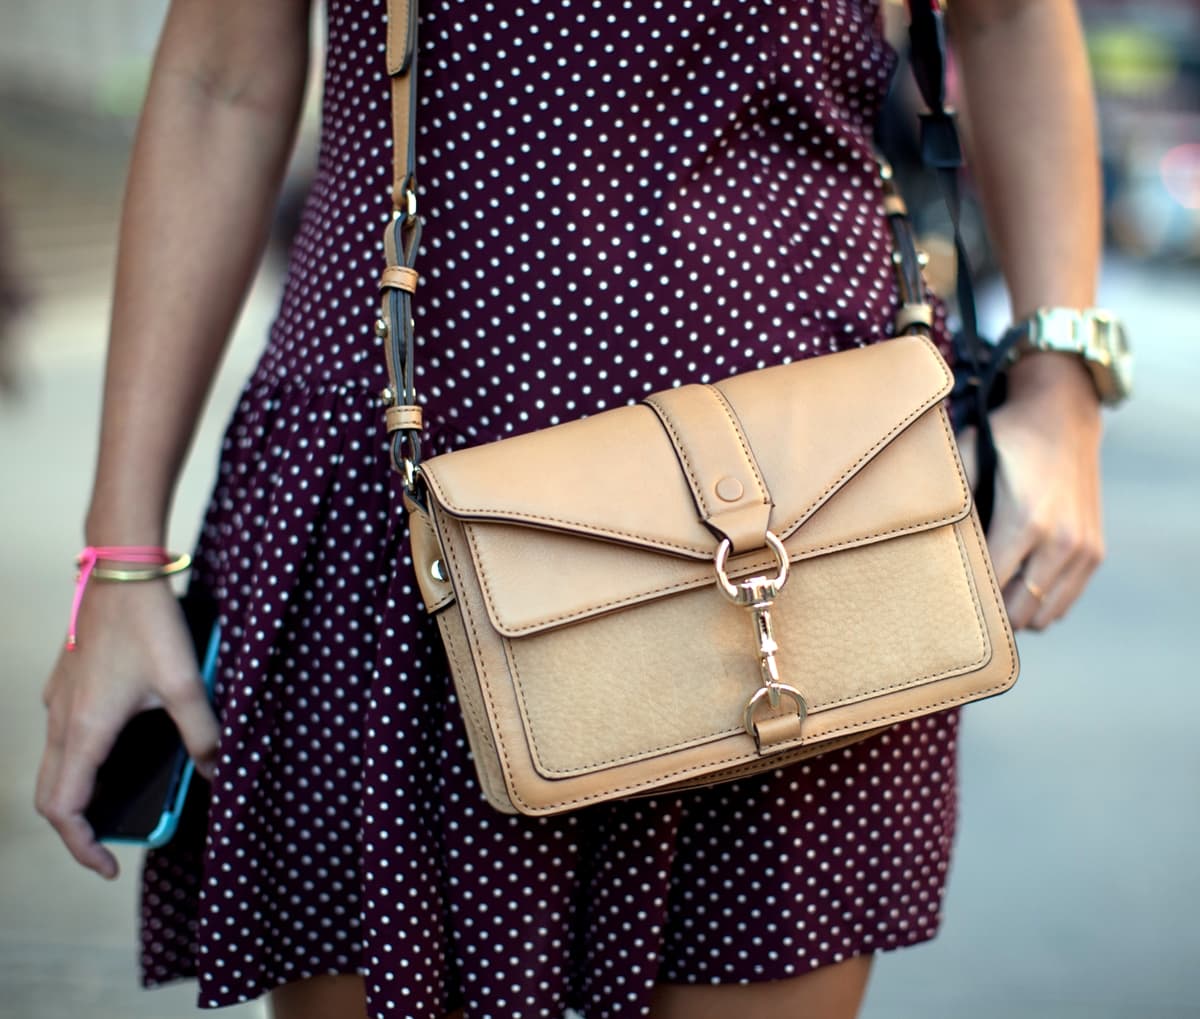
x=1046, y=537
x=134, y=652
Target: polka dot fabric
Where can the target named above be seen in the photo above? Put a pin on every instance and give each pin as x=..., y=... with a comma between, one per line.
x=619, y=197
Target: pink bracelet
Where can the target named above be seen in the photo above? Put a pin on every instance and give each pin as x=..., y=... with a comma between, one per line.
x=159, y=563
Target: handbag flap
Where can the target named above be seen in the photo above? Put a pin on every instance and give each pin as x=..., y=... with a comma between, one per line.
x=813, y=427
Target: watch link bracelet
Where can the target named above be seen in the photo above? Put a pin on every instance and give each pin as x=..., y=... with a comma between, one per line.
x=1096, y=336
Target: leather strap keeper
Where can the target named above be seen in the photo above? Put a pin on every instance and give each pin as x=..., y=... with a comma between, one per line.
x=399, y=277
x=406, y=417
x=914, y=314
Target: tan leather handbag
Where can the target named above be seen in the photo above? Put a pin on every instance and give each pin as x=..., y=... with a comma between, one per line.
x=789, y=563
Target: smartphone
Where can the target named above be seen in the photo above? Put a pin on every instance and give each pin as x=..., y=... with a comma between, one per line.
x=143, y=783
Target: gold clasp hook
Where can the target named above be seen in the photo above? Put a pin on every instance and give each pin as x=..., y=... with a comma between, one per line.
x=758, y=594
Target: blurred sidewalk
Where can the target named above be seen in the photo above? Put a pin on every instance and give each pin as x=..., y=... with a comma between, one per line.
x=1075, y=891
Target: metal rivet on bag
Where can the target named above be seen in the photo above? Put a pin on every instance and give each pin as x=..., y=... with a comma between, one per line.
x=381, y=328
x=386, y=396
x=729, y=489
x=438, y=570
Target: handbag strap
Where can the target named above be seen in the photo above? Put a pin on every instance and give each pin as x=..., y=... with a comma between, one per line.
x=402, y=236
x=980, y=380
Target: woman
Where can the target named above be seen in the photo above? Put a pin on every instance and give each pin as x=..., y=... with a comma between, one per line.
x=587, y=170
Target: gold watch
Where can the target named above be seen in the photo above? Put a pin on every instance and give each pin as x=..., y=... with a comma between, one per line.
x=1096, y=336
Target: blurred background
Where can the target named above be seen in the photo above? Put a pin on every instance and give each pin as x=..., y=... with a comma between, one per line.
x=1076, y=889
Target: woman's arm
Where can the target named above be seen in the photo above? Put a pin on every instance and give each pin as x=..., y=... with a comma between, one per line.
x=212, y=145
x=1034, y=154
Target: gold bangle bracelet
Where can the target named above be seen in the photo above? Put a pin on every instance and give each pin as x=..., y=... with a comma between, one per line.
x=176, y=565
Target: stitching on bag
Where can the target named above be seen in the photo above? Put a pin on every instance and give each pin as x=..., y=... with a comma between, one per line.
x=888, y=719
x=455, y=668
x=422, y=521
x=692, y=584
x=677, y=442
x=904, y=423
x=911, y=681
x=712, y=766
x=740, y=432
x=695, y=741
x=485, y=688
x=963, y=487
x=704, y=553
x=709, y=766
x=441, y=603
x=781, y=759
x=687, y=585
x=922, y=407
x=978, y=663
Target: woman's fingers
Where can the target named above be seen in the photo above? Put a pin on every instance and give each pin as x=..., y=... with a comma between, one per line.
x=1027, y=593
x=1086, y=546
x=66, y=780
x=1070, y=582
x=1043, y=571
x=1013, y=534
x=187, y=703
x=1062, y=596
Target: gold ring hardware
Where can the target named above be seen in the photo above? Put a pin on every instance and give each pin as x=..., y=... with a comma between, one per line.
x=758, y=594
x=775, y=693
x=735, y=592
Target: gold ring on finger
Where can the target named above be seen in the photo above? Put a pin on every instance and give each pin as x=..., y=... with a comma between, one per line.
x=1038, y=594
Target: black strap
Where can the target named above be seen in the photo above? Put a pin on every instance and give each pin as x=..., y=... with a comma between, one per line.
x=980, y=381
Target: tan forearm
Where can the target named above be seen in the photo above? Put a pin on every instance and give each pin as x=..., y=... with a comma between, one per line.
x=1033, y=144
x=1034, y=154
x=212, y=145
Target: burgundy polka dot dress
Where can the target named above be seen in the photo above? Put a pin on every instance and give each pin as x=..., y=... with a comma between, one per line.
x=620, y=196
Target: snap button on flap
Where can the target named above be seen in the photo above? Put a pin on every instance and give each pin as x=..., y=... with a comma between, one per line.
x=729, y=489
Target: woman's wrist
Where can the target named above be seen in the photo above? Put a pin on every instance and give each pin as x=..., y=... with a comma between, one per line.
x=105, y=526
x=1057, y=379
